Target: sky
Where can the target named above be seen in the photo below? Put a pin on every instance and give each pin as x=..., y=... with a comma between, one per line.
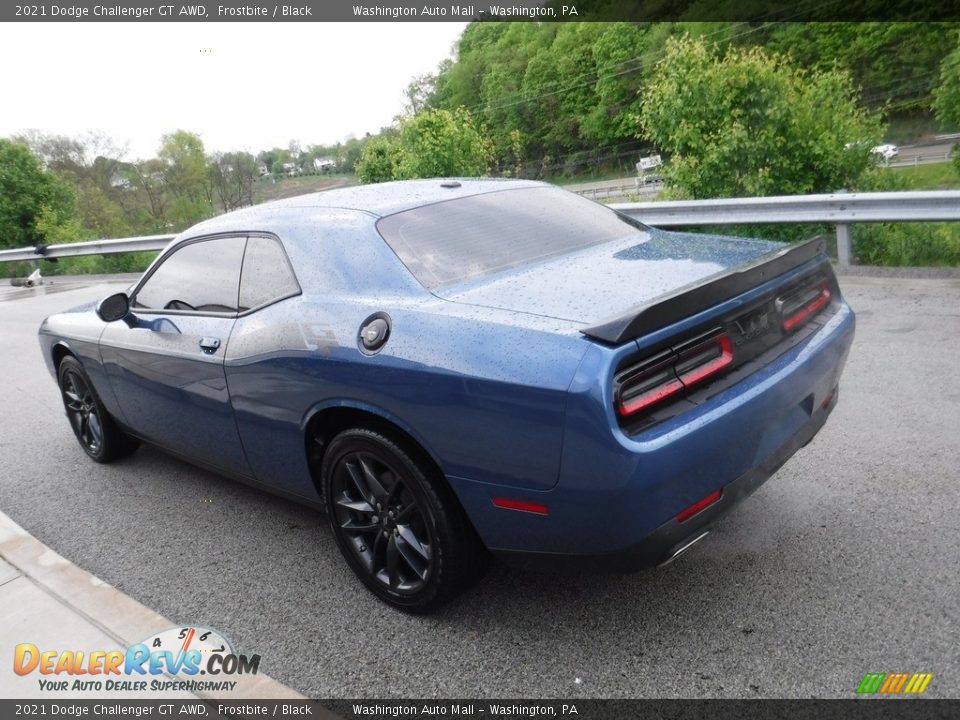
x=240, y=86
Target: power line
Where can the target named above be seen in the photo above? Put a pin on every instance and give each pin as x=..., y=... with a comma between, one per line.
x=598, y=75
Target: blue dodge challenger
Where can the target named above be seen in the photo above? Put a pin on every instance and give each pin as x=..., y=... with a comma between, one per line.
x=454, y=368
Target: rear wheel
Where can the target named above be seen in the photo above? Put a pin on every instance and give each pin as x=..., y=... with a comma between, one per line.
x=93, y=427
x=396, y=522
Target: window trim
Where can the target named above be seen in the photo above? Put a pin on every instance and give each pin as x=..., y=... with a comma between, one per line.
x=293, y=274
x=245, y=235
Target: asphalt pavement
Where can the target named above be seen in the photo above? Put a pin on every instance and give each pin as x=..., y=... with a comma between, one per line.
x=846, y=562
x=923, y=153
x=49, y=602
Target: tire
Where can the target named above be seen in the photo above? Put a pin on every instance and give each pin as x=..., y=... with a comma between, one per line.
x=95, y=430
x=397, y=523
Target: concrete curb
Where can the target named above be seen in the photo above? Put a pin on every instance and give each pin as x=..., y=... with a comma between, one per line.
x=106, y=608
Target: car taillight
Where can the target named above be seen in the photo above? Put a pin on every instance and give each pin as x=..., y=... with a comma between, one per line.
x=705, y=359
x=800, y=307
x=669, y=373
x=650, y=383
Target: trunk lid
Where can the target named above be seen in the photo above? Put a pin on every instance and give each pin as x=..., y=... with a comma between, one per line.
x=607, y=281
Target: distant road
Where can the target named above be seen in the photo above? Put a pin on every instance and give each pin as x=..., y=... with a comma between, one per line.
x=611, y=189
x=62, y=283
x=923, y=154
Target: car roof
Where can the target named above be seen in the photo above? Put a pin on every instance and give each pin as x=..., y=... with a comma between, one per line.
x=383, y=199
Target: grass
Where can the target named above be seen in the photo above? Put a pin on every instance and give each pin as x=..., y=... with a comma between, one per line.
x=913, y=127
x=266, y=189
x=590, y=176
x=907, y=244
x=935, y=176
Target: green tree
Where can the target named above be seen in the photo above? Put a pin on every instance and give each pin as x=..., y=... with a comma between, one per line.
x=432, y=143
x=574, y=89
x=946, y=102
x=90, y=165
x=459, y=83
x=348, y=154
x=890, y=61
x=616, y=54
x=184, y=168
x=377, y=159
x=440, y=143
x=99, y=215
x=418, y=93
x=750, y=123
x=34, y=203
x=232, y=175
x=147, y=193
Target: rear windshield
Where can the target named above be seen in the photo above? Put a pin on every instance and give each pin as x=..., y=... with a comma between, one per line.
x=478, y=235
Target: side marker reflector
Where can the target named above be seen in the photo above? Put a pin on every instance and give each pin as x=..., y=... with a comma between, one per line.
x=521, y=505
x=699, y=505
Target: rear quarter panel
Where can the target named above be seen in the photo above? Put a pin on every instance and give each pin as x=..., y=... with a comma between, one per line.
x=485, y=398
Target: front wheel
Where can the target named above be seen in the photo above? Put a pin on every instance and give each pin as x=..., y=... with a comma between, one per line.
x=93, y=427
x=396, y=522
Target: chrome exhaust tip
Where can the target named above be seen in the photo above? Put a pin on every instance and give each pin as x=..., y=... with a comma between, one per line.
x=681, y=550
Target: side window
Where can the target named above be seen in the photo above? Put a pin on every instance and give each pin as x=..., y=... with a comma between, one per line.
x=202, y=276
x=266, y=275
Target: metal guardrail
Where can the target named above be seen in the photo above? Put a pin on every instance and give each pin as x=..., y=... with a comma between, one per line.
x=621, y=190
x=92, y=247
x=840, y=209
x=919, y=159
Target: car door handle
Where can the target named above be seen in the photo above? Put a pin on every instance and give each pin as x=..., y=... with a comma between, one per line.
x=209, y=345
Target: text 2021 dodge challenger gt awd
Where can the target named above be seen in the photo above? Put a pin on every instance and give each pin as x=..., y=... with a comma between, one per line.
x=456, y=367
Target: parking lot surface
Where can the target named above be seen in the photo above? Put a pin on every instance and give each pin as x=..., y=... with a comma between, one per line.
x=845, y=562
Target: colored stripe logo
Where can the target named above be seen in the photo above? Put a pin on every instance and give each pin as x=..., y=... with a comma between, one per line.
x=894, y=683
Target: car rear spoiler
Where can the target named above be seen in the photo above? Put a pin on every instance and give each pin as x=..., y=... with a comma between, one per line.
x=703, y=294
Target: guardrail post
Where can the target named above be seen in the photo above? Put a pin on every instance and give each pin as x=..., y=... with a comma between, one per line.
x=843, y=244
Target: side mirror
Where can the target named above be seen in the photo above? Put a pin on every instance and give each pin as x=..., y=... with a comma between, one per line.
x=115, y=307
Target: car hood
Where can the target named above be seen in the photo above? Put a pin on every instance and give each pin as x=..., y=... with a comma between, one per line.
x=598, y=282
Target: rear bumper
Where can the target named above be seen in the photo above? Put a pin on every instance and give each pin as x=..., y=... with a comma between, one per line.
x=673, y=538
x=617, y=496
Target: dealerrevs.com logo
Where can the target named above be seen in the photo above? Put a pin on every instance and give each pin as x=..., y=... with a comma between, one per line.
x=172, y=660
x=894, y=683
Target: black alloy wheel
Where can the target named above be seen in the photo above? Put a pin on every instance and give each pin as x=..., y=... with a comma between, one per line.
x=397, y=523
x=383, y=523
x=93, y=427
x=82, y=411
